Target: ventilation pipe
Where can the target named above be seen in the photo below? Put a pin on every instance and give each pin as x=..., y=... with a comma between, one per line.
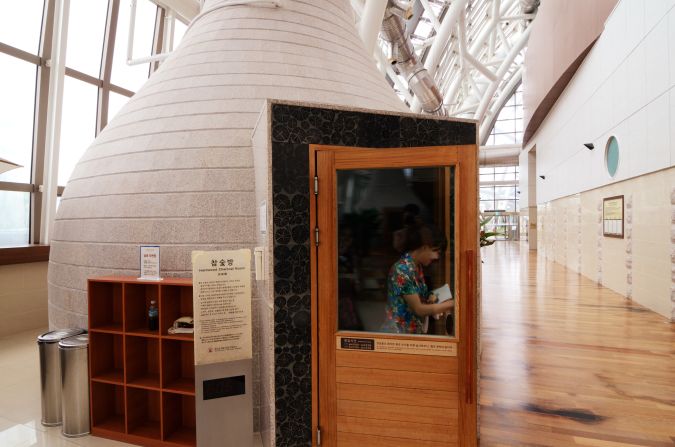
x=505, y=154
x=403, y=56
x=529, y=6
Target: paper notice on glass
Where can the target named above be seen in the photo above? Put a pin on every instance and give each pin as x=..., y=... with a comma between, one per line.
x=222, y=305
x=443, y=293
x=150, y=262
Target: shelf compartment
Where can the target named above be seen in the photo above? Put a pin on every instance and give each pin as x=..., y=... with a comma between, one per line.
x=178, y=366
x=142, y=362
x=143, y=413
x=185, y=337
x=107, y=410
x=179, y=419
x=176, y=302
x=137, y=299
x=105, y=306
x=106, y=357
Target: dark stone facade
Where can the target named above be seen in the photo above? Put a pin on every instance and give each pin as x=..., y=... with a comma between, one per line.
x=293, y=129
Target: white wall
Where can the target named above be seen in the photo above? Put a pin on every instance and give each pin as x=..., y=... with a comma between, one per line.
x=23, y=297
x=625, y=88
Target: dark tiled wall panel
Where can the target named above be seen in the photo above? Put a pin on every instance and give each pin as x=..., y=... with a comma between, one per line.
x=293, y=129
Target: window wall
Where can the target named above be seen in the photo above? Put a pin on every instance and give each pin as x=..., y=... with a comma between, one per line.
x=508, y=128
x=97, y=83
x=499, y=201
x=499, y=188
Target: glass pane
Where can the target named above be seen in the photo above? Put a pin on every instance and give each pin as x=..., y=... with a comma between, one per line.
x=17, y=92
x=505, y=126
x=86, y=27
x=506, y=138
x=505, y=205
x=486, y=205
x=487, y=193
x=507, y=176
x=487, y=178
x=519, y=96
x=15, y=220
x=508, y=112
x=396, y=246
x=78, y=124
x=489, y=170
x=505, y=192
x=132, y=77
x=179, y=29
x=20, y=24
x=115, y=103
x=612, y=156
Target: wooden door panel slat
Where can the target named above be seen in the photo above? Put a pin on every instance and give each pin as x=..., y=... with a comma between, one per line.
x=396, y=412
x=395, y=378
x=402, y=362
x=354, y=439
x=392, y=395
x=414, y=431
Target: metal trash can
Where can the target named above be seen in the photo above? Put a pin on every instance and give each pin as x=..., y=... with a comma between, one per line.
x=75, y=385
x=50, y=373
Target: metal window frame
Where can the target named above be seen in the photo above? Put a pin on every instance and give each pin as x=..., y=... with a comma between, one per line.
x=36, y=250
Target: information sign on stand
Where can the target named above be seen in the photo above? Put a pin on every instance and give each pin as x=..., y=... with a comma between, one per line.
x=149, y=260
x=222, y=306
x=223, y=348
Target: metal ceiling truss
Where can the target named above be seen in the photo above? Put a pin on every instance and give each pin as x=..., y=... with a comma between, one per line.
x=466, y=54
x=472, y=50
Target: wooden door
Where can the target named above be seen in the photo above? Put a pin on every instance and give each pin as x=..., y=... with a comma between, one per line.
x=387, y=389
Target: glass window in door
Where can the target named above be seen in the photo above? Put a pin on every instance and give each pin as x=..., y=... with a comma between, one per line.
x=396, y=262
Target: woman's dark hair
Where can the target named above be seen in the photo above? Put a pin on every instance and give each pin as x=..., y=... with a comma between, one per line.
x=419, y=235
x=410, y=213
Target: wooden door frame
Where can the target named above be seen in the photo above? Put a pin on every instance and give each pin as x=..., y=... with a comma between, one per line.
x=465, y=159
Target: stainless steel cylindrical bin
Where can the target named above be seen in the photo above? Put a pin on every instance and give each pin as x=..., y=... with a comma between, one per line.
x=50, y=373
x=75, y=385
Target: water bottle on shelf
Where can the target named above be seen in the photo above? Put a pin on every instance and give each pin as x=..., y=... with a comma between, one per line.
x=153, y=316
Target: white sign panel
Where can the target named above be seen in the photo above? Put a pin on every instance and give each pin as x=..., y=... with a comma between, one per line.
x=222, y=305
x=150, y=262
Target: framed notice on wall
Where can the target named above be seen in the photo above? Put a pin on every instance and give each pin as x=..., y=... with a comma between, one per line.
x=612, y=217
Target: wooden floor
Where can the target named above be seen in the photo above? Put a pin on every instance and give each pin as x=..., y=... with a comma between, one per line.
x=568, y=363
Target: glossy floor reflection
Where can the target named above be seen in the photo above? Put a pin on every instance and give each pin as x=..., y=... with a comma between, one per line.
x=20, y=400
x=566, y=362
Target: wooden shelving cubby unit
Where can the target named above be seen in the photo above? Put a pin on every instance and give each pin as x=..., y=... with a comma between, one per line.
x=142, y=381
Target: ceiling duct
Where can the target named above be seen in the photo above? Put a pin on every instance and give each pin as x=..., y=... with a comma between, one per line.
x=403, y=57
x=529, y=6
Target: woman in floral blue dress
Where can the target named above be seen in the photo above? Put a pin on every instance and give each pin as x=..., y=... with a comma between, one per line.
x=408, y=297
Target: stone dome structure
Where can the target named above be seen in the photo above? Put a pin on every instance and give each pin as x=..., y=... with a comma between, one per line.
x=174, y=167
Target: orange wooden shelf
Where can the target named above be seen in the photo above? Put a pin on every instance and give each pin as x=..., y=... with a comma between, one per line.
x=150, y=381
x=186, y=337
x=141, y=381
x=108, y=329
x=181, y=386
x=143, y=333
x=112, y=425
x=115, y=377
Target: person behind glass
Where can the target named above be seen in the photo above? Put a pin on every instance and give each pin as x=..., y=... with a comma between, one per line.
x=408, y=297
